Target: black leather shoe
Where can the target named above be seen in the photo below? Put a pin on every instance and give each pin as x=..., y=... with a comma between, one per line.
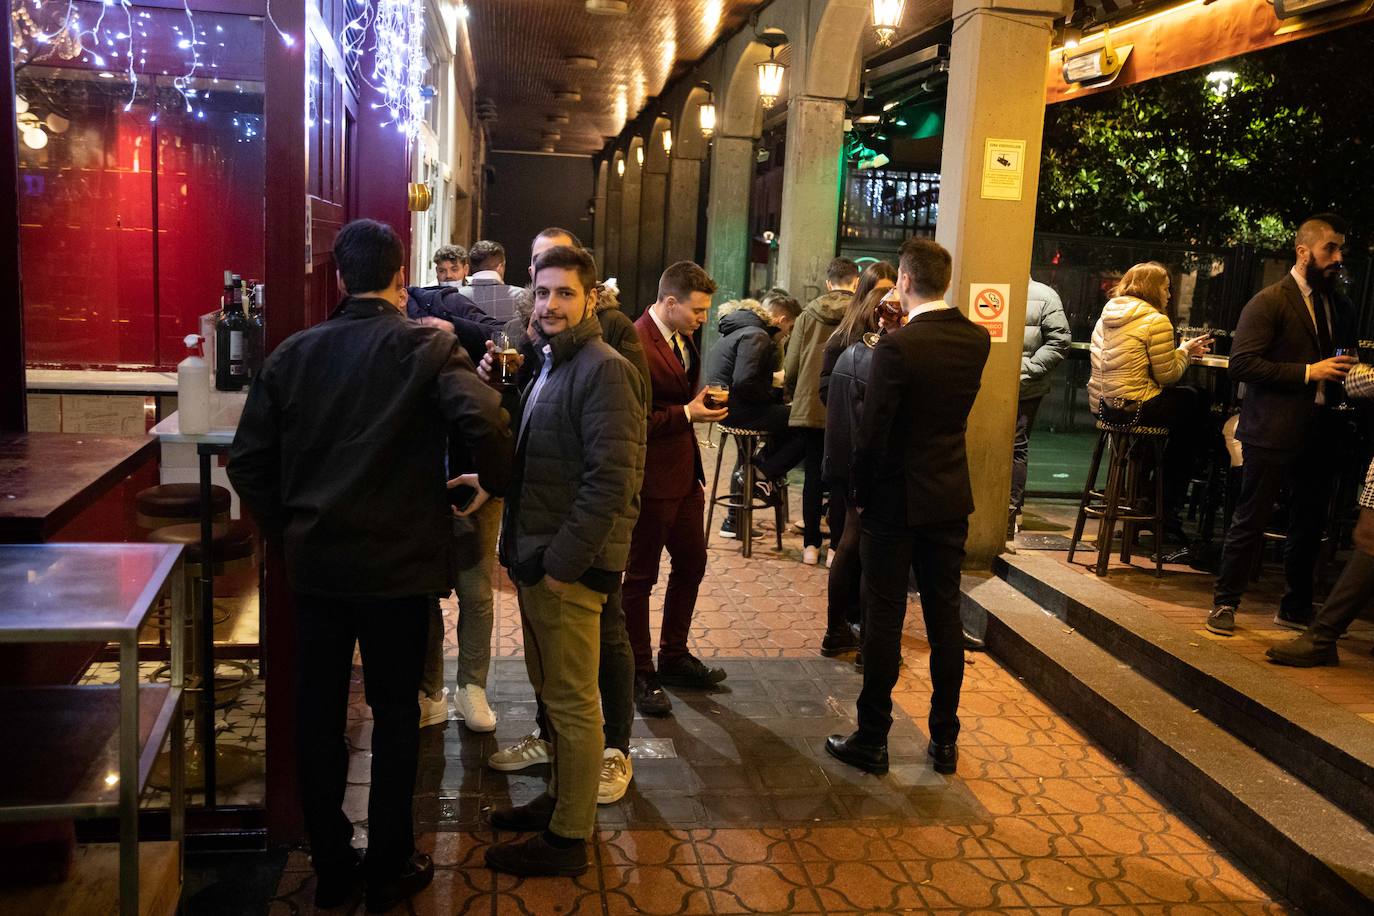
x=650, y=699
x=414, y=877
x=944, y=756
x=871, y=758
x=689, y=671
x=533, y=815
x=534, y=856
x=973, y=643
x=833, y=644
x=340, y=884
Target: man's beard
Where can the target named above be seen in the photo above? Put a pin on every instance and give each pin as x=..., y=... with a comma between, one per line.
x=1321, y=280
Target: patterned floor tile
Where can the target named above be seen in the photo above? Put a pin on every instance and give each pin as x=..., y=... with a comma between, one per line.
x=749, y=815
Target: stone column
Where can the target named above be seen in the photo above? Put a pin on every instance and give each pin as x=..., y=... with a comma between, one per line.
x=727, y=221
x=996, y=91
x=627, y=265
x=612, y=246
x=684, y=189
x=599, y=223
x=653, y=188
x=810, y=219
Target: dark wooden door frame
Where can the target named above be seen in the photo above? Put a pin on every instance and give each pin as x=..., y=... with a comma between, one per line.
x=13, y=410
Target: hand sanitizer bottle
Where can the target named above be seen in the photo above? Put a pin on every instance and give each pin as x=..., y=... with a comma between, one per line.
x=193, y=389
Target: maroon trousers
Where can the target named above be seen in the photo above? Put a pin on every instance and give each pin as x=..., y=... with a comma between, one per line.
x=678, y=525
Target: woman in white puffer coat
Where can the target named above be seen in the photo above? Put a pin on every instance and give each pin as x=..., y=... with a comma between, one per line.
x=1135, y=357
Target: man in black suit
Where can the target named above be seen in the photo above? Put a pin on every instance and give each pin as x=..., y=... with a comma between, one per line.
x=911, y=486
x=1284, y=351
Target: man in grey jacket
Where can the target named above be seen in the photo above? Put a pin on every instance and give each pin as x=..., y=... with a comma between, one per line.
x=1044, y=346
x=565, y=540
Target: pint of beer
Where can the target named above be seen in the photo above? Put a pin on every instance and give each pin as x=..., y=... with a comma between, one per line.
x=507, y=357
x=890, y=308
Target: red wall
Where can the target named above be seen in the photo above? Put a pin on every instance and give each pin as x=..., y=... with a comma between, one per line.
x=128, y=221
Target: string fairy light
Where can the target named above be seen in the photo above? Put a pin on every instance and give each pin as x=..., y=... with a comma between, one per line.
x=396, y=29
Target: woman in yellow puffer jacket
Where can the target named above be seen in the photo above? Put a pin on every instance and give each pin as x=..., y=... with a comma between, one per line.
x=1134, y=356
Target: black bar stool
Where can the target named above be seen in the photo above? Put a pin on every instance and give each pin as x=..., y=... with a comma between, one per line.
x=171, y=504
x=1119, y=499
x=233, y=551
x=746, y=502
x=233, y=546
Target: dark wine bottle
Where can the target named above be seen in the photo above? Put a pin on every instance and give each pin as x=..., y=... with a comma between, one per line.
x=256, y=328
x=231, y=333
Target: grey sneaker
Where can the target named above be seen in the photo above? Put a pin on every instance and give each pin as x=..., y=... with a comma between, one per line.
x=1222, y=620
x=530, y=751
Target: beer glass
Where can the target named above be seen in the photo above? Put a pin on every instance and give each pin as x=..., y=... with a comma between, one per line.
x=507, y=357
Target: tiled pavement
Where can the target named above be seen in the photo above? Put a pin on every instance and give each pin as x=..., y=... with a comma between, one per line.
x=1184, y=595
x=735, y=808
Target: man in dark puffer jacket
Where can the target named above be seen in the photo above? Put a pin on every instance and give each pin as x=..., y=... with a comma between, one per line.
x=565, y=540
x=743, y=360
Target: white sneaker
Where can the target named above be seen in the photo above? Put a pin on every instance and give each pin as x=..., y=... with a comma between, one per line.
x=811, y=555
x=433, y=709
x=616, y=773
x=470, y=702
x=530, y=751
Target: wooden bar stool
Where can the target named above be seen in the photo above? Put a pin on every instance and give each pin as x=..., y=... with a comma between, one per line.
x=1119, y=499
x=746, y=502
x=177, y=504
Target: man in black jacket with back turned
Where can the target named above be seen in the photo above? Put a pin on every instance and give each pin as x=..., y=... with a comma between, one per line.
x=911, y=487
x=340, y=454
x=1284, y=351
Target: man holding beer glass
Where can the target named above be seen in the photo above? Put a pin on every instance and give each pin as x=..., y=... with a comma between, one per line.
x=673, y=498
x=565, y=537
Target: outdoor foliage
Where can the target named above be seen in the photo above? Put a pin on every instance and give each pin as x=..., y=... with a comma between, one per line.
x=1213, y=162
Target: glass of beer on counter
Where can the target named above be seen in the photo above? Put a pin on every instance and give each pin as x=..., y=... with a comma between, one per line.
x=717, y=397
x=507, y=357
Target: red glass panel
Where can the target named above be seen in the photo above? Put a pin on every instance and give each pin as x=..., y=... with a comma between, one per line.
x=109, y=278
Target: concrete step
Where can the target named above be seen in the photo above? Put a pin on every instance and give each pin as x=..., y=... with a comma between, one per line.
x=1328, y=747
x=1287, y=834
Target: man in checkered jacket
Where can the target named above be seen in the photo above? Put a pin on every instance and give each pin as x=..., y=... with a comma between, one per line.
x=1354, y=590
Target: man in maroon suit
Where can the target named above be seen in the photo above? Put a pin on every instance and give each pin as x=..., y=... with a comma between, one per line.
x=673, y=498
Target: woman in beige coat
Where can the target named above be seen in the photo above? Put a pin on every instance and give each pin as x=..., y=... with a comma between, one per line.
x=1135, y=357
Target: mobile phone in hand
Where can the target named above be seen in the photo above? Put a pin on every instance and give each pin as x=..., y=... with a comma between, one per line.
x=461, y=496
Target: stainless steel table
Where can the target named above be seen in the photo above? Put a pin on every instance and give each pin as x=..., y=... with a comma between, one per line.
x=87, y=751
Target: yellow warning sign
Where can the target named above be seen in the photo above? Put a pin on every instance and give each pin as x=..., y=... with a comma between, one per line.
x=1004, y=169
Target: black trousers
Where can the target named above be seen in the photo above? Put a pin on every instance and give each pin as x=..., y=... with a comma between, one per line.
x=934, y=553
x=391, y=632
x=1026, y=409
x=1309, y=474
x=842, y=593
x=1184, y=411
x=615, y=678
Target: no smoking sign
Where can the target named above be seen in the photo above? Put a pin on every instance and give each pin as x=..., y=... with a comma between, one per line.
x=988, y=307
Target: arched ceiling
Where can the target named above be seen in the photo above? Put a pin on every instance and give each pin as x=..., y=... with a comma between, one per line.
x=520, y=49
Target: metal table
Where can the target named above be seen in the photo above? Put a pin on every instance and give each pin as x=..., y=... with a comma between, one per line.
x=226, y=407
x=87, y=751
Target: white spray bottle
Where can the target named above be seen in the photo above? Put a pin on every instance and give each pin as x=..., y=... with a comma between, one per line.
x=193, y=389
